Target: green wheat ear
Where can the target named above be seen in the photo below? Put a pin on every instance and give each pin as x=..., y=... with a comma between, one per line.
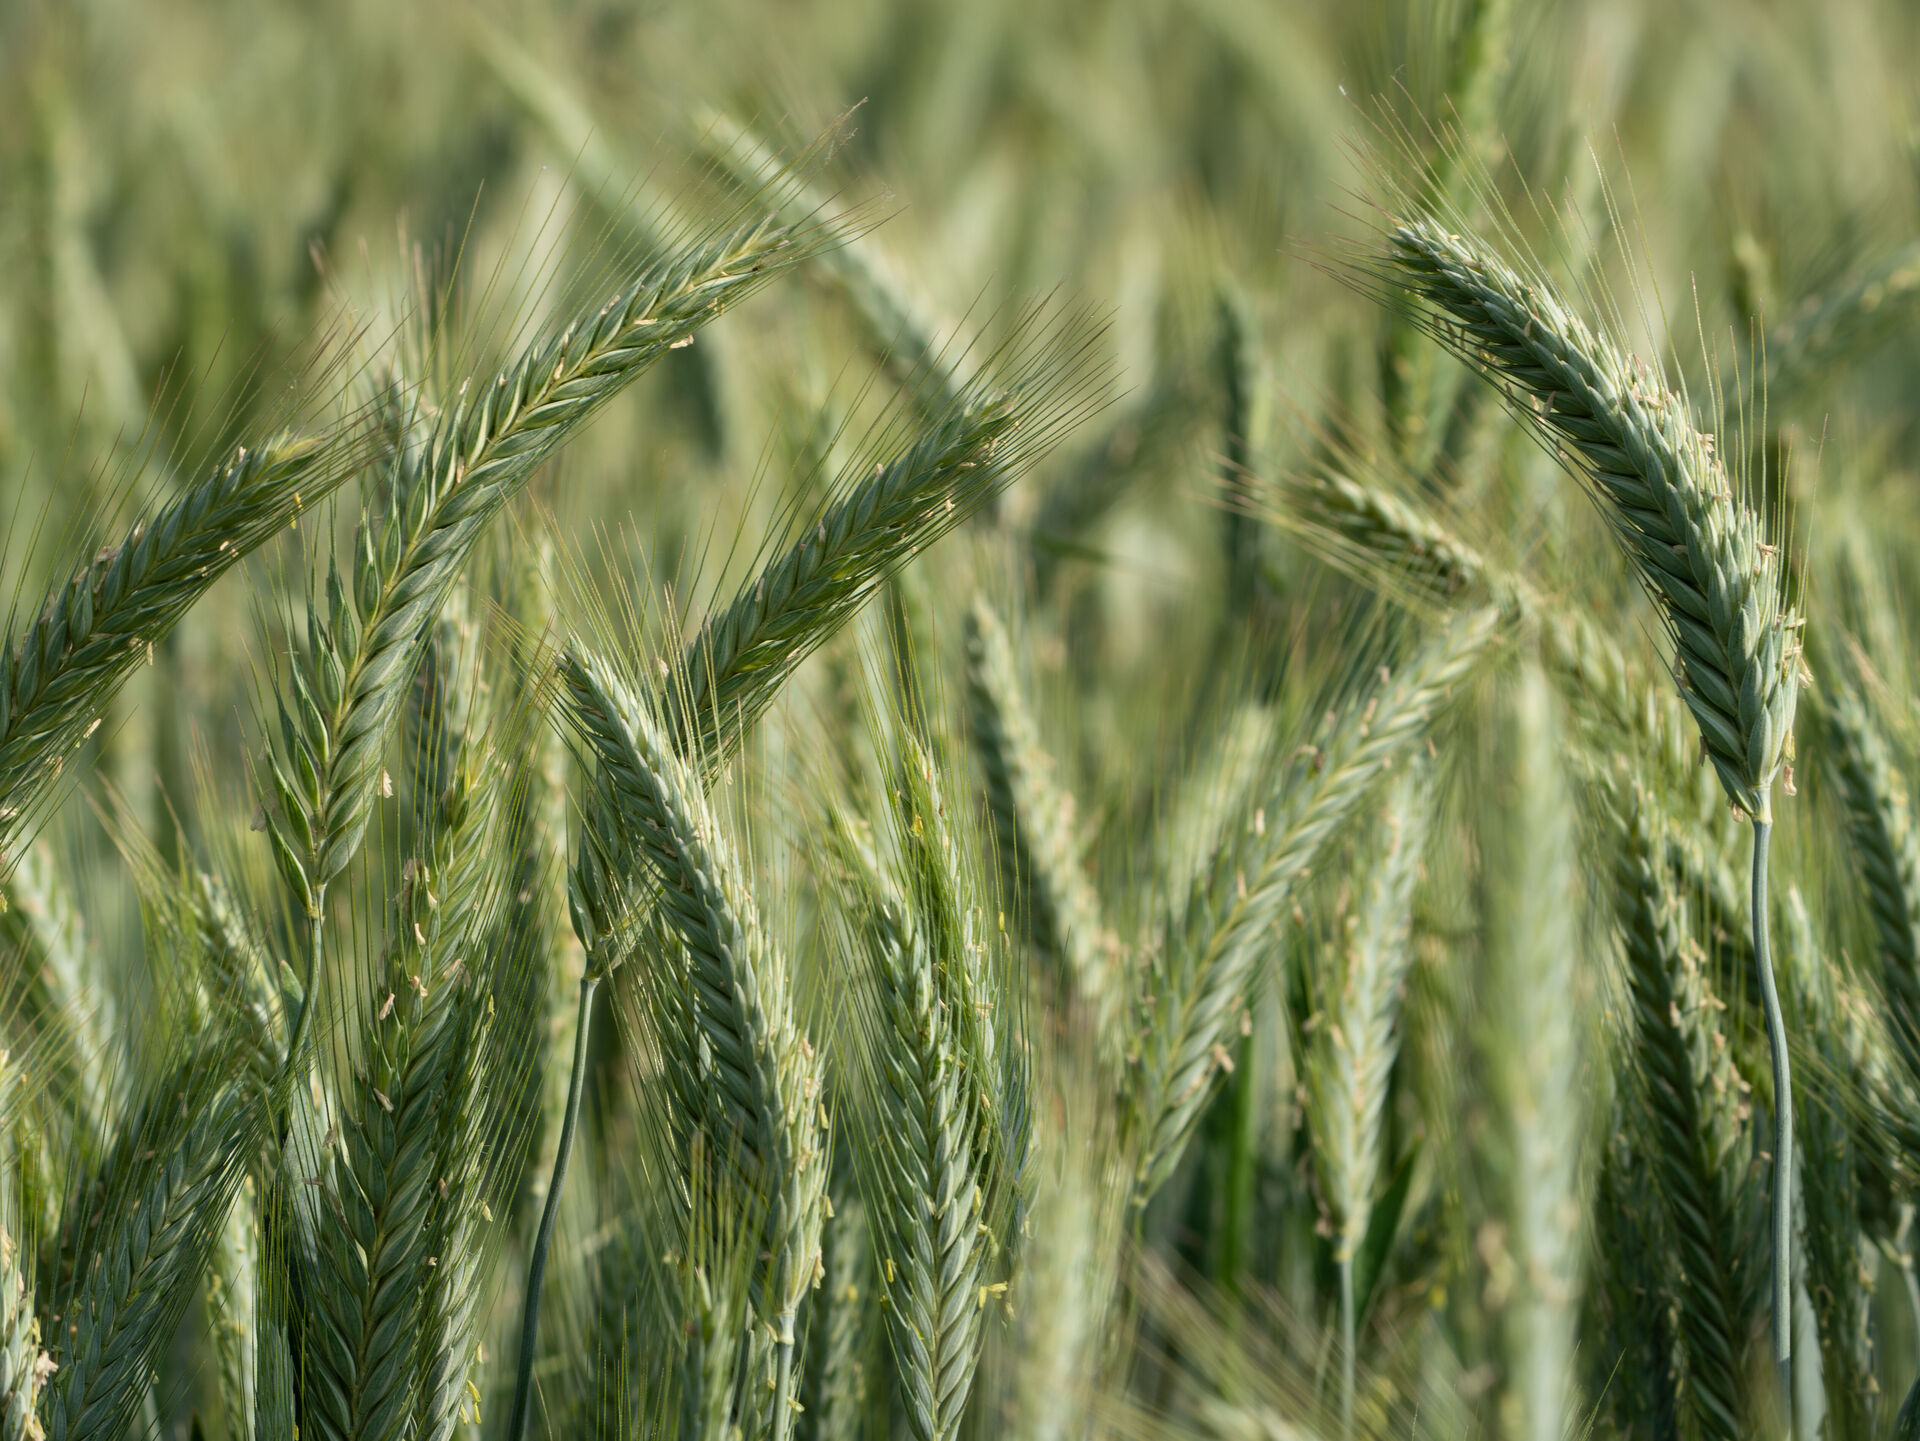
x=1698, y=545
x=94, y=629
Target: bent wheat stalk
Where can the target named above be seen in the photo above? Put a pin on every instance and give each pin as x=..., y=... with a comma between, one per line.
x=1698, y=545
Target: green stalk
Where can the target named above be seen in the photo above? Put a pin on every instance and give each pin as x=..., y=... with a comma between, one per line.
x=1782, y=1127
x=783, y=1381
x=537, y=1263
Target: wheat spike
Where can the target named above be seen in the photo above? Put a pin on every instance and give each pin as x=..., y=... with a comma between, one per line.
x=877, y=520
x=838, y=1321
x=1698, y=546
x=1041, y=870
x=43, y=932
x=1353, y=1047
x=938, y=1149
x=380, y=1259
x=1880, y=827
x=230, y=1287
x=94, y=629
x=1531, y=1051
x=1692, y=1102
x=440, y=496
x=752, y=1086
x=169, y=1180
x=1699, y=549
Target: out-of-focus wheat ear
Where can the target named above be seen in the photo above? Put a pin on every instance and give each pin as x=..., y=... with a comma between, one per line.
x=1067, y=1330
x=1880, y=828
x=907, y=603
x=156, y=1201
x=1823, y=332
x=1041, y=872
x=1208, y=799
x=1693, y=1110
x=1830, y=1169
x=902, y=326
x=365, y=637
x=1351, y=1051
x=94, y=628
x=1209, y=958
x=230, y=1294
x=840, y=1314
x=877, y=519
x=538, y=906
x=1247, y=433
x=1531, y=1052
x=24, y=1367
x=1634, y=1291
x=753, y=1087
x=42, y=932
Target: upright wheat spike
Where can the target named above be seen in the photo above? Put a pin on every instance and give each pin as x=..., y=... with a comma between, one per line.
x=1353, y=1046
x=1691, y=1103
x=375, y=1271
x=1247, y=437
x=932, y=1143
x=753, y=1086
x=1530, y=1051
x=1209, y=959
x=97, y=626
x=1880, y=826
x=1041, y=871
x=440, y=495
x=24, y=1367
x=1700, y=550
x=838, y=1379
x=875, y=522
x=230, y=1286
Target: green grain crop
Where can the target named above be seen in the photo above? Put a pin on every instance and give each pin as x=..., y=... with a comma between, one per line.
x=820, y=722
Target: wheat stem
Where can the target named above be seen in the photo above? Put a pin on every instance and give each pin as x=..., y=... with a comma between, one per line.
x=543, y=1240
x=1782, y=1229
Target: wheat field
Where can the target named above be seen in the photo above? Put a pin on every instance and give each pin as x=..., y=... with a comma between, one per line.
x=1141, y=720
